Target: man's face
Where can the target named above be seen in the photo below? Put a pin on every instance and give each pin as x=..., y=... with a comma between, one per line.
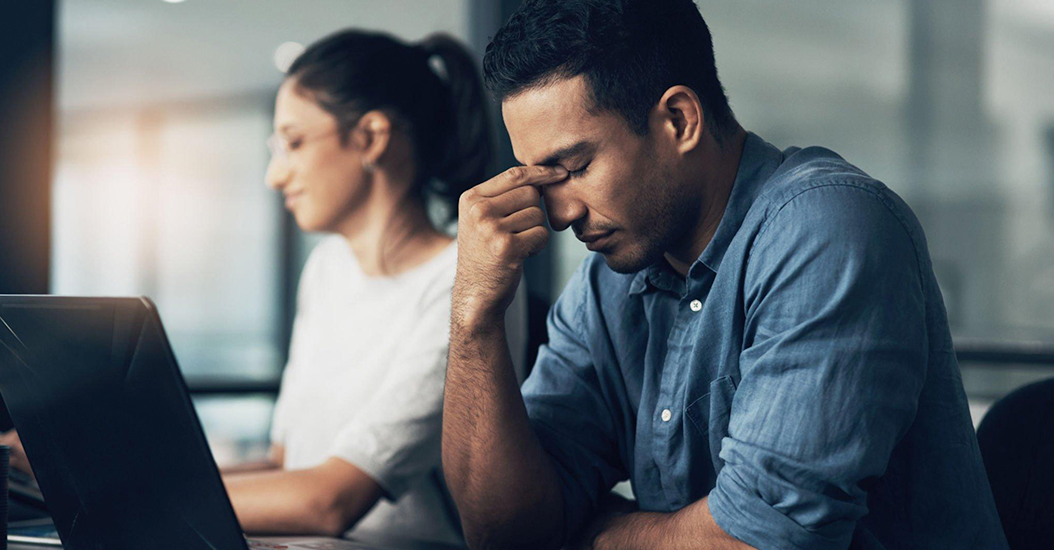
x=620, y=197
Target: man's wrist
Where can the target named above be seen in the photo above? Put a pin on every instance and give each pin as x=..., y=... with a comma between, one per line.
x=472, y=316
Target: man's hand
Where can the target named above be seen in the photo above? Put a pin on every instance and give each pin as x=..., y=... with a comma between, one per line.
x=18, y=458
x=501, y=223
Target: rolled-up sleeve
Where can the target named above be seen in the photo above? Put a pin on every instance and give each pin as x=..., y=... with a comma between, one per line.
x=834, y=362
x=568, y=411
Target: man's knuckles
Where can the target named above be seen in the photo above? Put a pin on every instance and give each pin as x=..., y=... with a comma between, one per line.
x=465, y=200
x=501, y=245
x=480, y=211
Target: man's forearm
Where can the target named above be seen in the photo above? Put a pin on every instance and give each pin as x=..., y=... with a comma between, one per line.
x=503, y=482
x=691, y=528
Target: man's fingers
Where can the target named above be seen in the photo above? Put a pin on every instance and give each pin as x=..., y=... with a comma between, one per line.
x=533, y=240
x=523, y=220
x=480, y=209
x=518, y=176
x=513, y=201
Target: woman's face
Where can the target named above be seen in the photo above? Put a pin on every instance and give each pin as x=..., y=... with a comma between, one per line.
x=321, y=177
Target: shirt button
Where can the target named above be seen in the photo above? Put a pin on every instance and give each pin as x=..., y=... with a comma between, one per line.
x=666, y=415
x=696, y=305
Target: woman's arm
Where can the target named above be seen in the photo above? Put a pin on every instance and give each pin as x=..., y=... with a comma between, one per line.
x=17, y=457
x=274, y=461
x=324, y=500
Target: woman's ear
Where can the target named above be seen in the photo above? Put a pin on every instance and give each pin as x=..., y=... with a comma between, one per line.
x=372, y=136
x=681, y=116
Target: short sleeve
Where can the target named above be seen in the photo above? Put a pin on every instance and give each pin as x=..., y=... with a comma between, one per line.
x=834, y=363
x=395, y=439
x=568, y=412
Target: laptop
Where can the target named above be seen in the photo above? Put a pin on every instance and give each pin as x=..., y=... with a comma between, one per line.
x=94, y=390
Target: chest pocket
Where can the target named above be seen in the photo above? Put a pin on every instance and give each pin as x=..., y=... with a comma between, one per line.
x=710, y=413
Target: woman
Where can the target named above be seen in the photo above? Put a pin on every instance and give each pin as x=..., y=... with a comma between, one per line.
x=366, y=129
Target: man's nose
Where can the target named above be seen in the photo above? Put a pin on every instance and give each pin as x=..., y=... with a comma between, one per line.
x=563, y=207
x=278, y=173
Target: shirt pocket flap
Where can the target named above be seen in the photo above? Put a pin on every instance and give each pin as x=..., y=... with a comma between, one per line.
x=710, y=414
x=698, y=412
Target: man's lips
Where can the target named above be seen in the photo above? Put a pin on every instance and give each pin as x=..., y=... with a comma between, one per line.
x=595, y=241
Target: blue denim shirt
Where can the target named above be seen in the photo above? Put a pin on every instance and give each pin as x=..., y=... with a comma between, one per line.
x=802, y=375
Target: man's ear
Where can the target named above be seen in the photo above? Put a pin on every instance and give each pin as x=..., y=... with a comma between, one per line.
x=372, y=135
x=680, y=115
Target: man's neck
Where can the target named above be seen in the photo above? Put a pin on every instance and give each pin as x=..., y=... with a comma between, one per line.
x=718, y=169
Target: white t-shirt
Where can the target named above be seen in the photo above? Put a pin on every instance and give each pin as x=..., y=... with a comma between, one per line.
x=364, y=383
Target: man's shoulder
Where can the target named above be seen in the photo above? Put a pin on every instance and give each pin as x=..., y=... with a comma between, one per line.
x=820, y=183
x=809, y=168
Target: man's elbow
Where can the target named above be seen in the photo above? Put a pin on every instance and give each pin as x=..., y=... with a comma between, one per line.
x=508, y=533
x=499, y=539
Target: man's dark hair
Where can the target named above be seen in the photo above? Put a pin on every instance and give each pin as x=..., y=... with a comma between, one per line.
x=630, y=52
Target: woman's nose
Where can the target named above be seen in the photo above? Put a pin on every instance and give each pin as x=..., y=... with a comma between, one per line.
x=278, y=173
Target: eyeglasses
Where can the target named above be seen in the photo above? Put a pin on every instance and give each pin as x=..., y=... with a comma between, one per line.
x=280, y=147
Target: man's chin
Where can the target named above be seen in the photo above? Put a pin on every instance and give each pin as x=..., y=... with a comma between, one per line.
x=626, y=263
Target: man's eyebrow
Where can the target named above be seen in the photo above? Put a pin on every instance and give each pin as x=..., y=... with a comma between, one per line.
x=567, y=152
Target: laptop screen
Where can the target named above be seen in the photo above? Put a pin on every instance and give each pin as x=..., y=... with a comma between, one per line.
x=106, y=421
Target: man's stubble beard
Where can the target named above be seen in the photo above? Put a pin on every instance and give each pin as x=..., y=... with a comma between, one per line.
x=663, y=219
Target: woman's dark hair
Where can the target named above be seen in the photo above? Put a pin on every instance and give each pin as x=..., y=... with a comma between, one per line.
x=432, y=90
x=630, y=52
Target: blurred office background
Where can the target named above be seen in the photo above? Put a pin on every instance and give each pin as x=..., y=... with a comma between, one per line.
x=161, y=110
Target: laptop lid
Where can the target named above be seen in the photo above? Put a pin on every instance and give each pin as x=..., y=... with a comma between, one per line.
x=105, y=418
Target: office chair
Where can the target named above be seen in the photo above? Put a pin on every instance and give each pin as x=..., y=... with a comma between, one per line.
x=1017, y=444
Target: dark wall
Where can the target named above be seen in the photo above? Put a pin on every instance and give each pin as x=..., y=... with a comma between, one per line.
x=27, y=38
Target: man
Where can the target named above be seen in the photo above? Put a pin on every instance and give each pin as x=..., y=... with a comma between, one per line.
x=758, y=342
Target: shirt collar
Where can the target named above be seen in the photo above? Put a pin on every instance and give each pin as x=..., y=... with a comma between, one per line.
x=759, y=161
x=660, y=275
